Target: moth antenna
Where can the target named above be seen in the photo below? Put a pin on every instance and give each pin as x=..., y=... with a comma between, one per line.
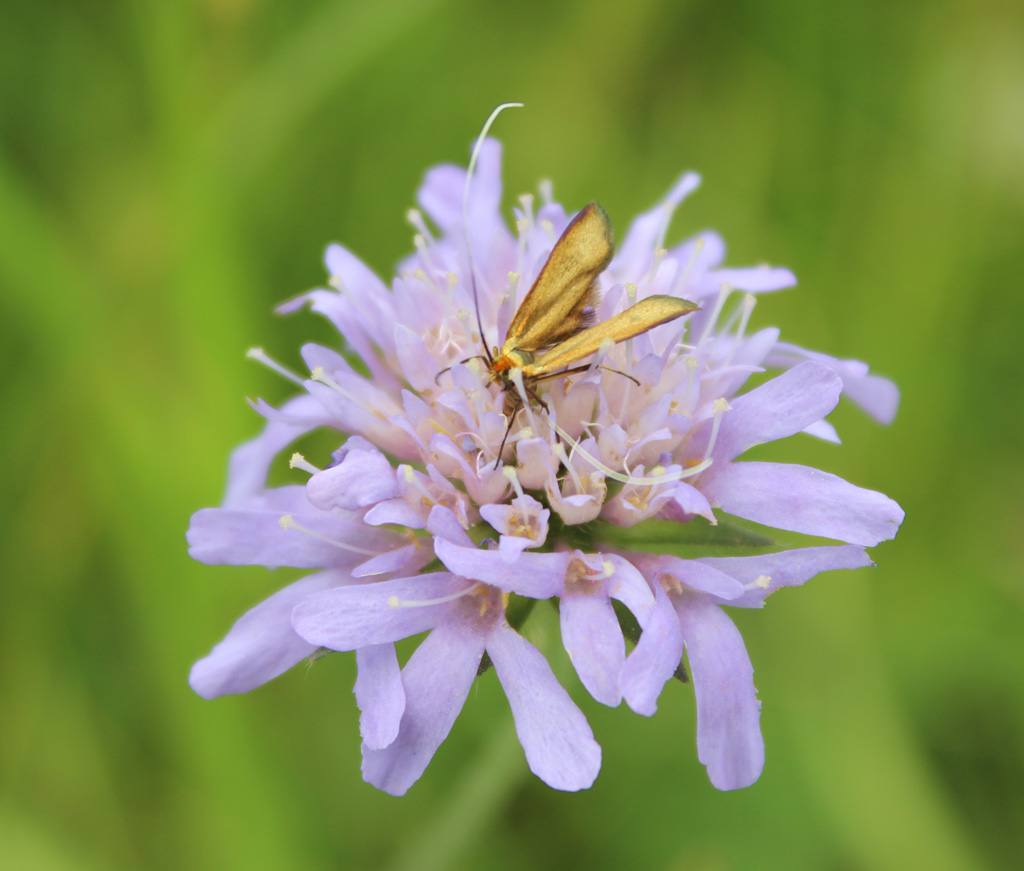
x=465, y=215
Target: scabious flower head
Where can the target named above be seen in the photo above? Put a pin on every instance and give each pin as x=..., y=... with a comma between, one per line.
x=416, y=524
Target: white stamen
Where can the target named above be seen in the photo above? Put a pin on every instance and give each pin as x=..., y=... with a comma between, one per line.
x=521, y=228
x=319, y=375
x=548, y=228
x=659, y=255
x=395, y=602
x=547, y=191
x=421, y=274
x=261, y=356
x=526, y=200
x=289, y=522
x=478, y=395
x=510, y=473
x=629, y=479
x=747, y=307
x=684, y=273
x=464, y=317
x=298, y=461
x=723, y=292
x=415, y=217
x=513, y=284
x=691, y=393
x=718, y=408
x=564, y=457
x=686, y=185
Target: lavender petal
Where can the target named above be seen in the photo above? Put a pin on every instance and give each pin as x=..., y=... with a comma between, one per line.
x=379, y=694
x=655, y=658
x=805, y=500
x=437, y=679
x=262, y=644
x=558, y=742
x=593, y=639
x=354, y=617
x=729, y=741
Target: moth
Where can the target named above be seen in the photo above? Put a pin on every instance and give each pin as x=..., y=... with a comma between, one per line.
x=554, y=328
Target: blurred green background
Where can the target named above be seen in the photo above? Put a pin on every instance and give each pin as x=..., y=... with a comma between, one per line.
x=171, y=170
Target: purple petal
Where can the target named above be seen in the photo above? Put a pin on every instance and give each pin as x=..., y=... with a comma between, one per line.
x=440, y=196
x=483, y=487
x=524, y=517
x=394, y=511
x=779, y=408
x=510, y=546
x=878, y=396
x=222, y=536
x=353, y=617
x=689, y=501
x=647, y=230
x=593, y=640
x=825, y=431
x=414, y=556
x=437, y=680
x=695, y=574
x=355, y=312
x=628, y=585
x=262, y=644
x=558, y=742
x=418, y=365
x=655, y=658
x=350, y=272
x=535, y=461
x=729, y=738
x=362, y=478
x=443, y=524
x=805, y=500
x=250, y=461
x=379, y=694
x=752, y=279
x=537, y=575
x=363, y=311
x=763, y=575
x=441, y=192
x=693, y=263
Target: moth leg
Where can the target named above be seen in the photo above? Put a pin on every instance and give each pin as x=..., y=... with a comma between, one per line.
x=536, y=397
x=447, y=368
x=620, y=372
x=504, y=438
x=513, y=404
x=551, y=376
x=577, y=369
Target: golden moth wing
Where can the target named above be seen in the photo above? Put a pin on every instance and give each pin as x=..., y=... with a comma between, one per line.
x=637, y=319
x=555, y=304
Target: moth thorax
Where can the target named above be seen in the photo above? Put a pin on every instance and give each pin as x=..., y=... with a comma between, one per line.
x=514, y=358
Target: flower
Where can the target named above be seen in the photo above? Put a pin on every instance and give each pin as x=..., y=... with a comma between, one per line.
x=402, y=521
x=466, y=619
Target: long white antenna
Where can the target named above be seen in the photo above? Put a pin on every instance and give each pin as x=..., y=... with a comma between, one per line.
x=465, y=214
